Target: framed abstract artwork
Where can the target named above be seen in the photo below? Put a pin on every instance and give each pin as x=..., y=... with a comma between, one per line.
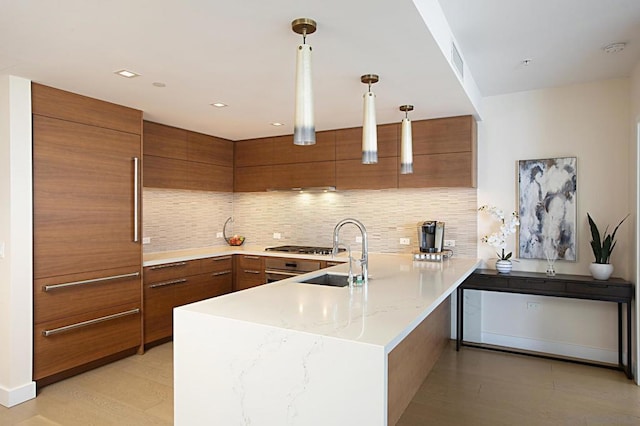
x=547, y=207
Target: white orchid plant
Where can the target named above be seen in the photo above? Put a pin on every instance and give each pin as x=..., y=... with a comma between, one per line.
x=498, y=240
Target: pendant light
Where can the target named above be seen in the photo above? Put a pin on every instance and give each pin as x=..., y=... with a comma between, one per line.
x=304, y=131
x=369, y=129
x=406, y=142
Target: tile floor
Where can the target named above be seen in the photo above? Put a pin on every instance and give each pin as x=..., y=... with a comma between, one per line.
x=471, y=387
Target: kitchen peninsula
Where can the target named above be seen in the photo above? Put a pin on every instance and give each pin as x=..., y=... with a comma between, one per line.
x=305, y=354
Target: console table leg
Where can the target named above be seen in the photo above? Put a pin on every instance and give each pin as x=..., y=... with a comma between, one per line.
x=459, y=316
x=620, y=335
x=628, y=369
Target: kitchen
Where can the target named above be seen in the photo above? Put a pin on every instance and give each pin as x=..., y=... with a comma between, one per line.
x=567, y=120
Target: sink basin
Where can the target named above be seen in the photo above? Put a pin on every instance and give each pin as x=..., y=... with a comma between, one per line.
x=334, y=280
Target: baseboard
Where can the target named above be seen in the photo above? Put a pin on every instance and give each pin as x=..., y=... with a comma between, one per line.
x=15, y=396
x=555, y=348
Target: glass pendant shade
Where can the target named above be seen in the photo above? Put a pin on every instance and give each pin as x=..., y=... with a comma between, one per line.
x=304, y=132
x=406, y=148
x=369, y=130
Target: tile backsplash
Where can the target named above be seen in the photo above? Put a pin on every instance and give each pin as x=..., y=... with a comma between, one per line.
x=179, y=219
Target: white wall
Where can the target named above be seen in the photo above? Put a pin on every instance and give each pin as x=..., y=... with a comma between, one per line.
x=590, y=122
x=16, y=275
x=634, y=163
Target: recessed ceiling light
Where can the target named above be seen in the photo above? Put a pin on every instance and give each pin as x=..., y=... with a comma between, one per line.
x=526, y=62
x=614, y=47
x=219, y=105
x=127, y=73
x=159, y=84
x=277, y=124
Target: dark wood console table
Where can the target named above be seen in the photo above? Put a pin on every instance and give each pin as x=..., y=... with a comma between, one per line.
x=572, y=286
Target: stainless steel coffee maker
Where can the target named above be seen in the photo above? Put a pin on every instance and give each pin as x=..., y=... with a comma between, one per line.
x=431, y=236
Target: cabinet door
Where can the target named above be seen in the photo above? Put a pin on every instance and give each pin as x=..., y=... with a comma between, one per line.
x=77, y=294
x=209, y=149
x=444, y=135
x=249, y=272
x=83, y=198
x=164, y=141
x=285, y=152
x=210, y=177
x=161, y=172
x=253, y=152
x=349, y=142
x=158, y=309
x=352, y=174
x=441, y=170
x=301, y=175
x=252, y=179
x=65, y=343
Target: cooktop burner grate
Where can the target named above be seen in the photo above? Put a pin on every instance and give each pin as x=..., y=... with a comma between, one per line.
x=303, y=249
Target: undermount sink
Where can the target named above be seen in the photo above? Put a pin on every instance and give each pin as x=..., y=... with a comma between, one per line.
x=334, y=280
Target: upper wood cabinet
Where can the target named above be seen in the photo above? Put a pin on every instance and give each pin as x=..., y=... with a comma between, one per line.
x=180, y=159
x=444, y=135
x=444, y=154
x=254, y=152
x=165, y=141
x=349, y=142
x=285, y=152
x=209, y=149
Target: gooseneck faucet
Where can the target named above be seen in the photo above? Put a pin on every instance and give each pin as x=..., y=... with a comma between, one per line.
x=364, y=261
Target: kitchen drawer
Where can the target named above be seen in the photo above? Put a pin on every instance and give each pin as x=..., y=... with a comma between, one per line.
x=90, y=337
x=158, y=309
x=216, y=264
x=167, y=271
x=202, y=287
x=71, y=295
x=250, y=261
x=600, y=289
x=540, y=285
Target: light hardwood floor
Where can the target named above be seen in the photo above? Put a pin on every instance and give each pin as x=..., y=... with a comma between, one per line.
x=470, y=387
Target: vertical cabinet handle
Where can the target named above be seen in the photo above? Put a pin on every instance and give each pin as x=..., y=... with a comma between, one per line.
x=136, y=178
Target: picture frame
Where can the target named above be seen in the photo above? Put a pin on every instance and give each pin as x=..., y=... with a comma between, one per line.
x=547, y=207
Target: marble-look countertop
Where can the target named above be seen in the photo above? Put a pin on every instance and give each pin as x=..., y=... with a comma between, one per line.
x=401, y=293
x=156, y=258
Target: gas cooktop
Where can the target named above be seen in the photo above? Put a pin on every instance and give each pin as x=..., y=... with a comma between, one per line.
x=303, y=249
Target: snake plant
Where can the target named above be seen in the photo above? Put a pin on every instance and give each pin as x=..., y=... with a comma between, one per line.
x=602, y=246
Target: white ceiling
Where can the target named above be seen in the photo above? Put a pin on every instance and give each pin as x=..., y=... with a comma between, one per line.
x=242, y=53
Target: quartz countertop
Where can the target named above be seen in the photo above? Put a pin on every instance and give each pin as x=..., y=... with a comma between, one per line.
x=400, y=294
x=152, y=259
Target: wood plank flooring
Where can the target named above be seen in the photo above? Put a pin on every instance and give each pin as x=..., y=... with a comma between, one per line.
x=470, y=387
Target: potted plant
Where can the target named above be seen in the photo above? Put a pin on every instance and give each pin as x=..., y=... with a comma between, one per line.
x=498, y=239
x=602, y=247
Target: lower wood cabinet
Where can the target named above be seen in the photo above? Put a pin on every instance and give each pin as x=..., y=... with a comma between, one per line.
x=80, y=319
x=249, y=271
x=179, y=283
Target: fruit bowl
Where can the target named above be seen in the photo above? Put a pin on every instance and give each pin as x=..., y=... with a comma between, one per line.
x=236, y=240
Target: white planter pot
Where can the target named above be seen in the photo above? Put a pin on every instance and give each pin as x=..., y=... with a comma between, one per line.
x=601, y=271
x=503, y=266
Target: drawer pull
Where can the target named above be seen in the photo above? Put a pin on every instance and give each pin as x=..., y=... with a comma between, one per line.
x=252, y=257
x=166, y=283
x=218, y=259
x=92, y=281
x=289, y=274
x=167, y=265
x=216, y=274
x=251, y=271
x=47, y=333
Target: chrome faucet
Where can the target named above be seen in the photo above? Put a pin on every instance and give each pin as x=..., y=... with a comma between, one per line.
x=364, y=261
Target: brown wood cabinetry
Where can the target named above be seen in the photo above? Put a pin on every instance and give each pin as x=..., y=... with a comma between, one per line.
x=249, y=271
x=444, y=153
x=180, y=159
x=174, y=284
x=352, y=174
x=87, y=258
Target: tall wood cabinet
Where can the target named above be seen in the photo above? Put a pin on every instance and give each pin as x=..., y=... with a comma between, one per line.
x=87, y=255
